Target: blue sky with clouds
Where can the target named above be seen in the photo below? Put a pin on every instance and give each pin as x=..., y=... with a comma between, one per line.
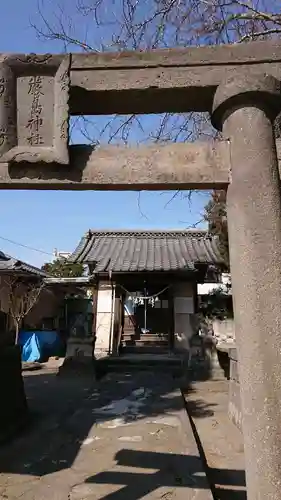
x=57, y=219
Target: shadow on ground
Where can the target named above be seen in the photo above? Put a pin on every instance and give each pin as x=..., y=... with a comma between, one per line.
x=170, y=471
x=63, y=411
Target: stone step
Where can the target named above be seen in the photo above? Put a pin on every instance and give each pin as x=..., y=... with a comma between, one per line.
x=145, y=349
x=144, y=342
x=142, y=362
x=147, y=335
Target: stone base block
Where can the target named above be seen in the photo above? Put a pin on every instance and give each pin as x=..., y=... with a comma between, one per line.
x=79, y=356
x=79, y=348
x=101, y=353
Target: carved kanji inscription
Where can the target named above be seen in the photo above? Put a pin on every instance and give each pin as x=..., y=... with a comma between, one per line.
x=34, y=109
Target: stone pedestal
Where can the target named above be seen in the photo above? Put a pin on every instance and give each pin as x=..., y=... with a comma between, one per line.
x=245, y=109
x=79, y=355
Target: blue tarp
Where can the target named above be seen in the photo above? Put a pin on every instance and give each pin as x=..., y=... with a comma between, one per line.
x=35, y=344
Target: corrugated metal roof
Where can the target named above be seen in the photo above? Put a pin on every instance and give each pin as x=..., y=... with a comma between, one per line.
x=129, y=251
x=10, y=264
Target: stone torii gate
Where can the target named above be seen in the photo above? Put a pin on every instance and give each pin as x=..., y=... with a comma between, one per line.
x=240, y=86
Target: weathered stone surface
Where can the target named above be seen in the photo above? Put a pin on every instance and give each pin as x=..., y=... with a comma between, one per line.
x=155, y=167
x=34, y=108
x=79, y=356
x=245, y=90
x=174, y=80
x=175, y=166
x=169, y=80
x=254, y=219
x=255, y=52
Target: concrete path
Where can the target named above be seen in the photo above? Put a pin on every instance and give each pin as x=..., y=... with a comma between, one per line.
x=127, y=438
x=221, y=440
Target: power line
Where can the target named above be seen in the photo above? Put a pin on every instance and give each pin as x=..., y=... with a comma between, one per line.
x=25, y=246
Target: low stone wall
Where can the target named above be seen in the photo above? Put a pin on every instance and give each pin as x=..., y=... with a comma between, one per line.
x=14, y=411
x=234, y=403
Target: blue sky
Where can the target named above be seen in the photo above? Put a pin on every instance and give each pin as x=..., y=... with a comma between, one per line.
x=57, y=219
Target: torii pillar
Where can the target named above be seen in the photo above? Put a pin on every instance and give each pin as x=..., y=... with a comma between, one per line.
x=245, y=109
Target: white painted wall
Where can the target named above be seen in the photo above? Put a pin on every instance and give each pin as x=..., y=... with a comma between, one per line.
x=205, y=288
x=104, y=319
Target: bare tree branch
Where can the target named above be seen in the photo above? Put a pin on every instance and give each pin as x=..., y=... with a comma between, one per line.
x=22, y=297
x=140, y=208
x=259, y=34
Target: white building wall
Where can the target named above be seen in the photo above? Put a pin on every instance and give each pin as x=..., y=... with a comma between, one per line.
x=205, y=288
x=104, y=321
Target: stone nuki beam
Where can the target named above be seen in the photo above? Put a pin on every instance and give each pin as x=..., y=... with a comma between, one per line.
x=167, y=80
x=154, y=167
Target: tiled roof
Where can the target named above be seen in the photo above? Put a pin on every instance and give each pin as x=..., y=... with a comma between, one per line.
x=128, y=251
x=12, y=265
